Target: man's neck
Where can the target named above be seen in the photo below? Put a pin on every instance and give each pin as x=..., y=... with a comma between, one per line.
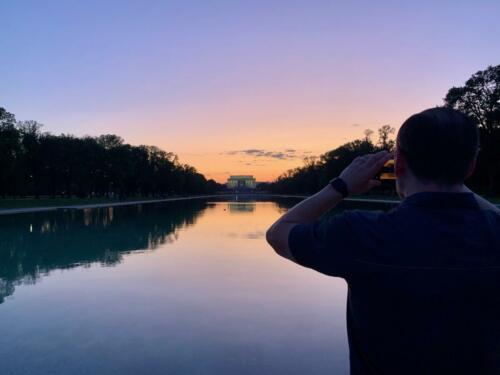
x=459, y=188
x=434, y=188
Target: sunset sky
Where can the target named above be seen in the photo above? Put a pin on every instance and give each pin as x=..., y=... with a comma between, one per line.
x=237, y=87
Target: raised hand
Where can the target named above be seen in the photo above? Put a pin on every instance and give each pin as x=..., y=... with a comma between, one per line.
x=358, y=176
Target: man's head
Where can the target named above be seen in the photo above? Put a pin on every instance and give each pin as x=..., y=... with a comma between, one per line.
x=436, y=149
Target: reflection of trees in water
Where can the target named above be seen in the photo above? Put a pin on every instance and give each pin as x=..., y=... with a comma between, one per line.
x=32, y=245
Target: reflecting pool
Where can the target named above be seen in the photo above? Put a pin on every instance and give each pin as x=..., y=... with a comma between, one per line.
x=186, y=287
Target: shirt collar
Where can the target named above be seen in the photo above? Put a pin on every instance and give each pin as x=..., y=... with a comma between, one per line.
x=441, y=200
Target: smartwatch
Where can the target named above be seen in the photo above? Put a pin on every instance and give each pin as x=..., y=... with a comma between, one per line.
x=340, y=185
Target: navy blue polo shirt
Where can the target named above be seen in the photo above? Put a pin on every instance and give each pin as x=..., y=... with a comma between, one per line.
x=423, y=283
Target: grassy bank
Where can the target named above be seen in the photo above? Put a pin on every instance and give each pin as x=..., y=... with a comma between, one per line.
x=9, y=203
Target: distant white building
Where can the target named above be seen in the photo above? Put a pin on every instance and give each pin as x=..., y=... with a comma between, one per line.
x=241, y=182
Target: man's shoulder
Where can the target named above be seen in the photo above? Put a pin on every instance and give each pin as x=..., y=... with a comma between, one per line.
x=492, y=214
x=368, y=217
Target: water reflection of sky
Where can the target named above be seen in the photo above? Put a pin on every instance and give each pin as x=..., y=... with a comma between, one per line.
x=193, y=289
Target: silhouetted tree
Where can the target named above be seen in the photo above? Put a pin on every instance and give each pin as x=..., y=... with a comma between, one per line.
x=368, y=133
x=480, y=99
x=36, y=163
x=316, y=172
x=29, y=160
x=10, y=148
x=384, y=137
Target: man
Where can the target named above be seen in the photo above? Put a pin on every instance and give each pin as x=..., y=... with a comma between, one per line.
x=423, y=279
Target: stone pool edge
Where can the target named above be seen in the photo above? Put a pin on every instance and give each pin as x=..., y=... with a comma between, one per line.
x=12, y=211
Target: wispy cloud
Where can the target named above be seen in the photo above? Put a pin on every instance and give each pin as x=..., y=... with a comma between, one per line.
x=289, y=153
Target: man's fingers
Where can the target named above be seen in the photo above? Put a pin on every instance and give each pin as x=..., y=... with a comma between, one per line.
x=367, y=158
x=372, y=163
x=363, y=158
x=378, y=160
x=379, y=164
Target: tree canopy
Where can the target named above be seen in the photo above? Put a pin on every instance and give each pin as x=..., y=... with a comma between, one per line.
x=480, y=99
x=37, y=163
x=316, y=172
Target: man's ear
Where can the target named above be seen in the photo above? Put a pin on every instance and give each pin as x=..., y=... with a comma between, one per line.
x=399, y=163
x=472, y=167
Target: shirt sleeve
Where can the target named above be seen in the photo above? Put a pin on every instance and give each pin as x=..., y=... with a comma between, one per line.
x=327, y=246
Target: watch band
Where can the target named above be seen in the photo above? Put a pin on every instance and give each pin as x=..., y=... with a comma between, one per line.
x=340, y=185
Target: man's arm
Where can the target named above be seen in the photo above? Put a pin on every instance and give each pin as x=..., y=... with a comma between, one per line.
x=358, y=177
x=306, y=211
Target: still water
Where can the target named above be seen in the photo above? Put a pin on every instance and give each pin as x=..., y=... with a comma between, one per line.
x=176, y=288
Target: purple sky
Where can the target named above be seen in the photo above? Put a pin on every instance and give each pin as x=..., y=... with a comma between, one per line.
x=211, y=80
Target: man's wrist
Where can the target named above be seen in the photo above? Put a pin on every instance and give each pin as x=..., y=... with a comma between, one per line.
x=329, y=197
x=339, y=185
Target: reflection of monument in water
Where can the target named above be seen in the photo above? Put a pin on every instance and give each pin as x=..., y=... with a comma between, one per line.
x=241, y=182
x=34, y=244
x=241, y=207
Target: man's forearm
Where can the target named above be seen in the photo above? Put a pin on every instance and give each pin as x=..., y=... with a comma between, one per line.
x=312, y=208
x=307, y=211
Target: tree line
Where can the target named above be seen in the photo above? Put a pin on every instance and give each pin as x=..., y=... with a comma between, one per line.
x=37, y=163
x=317, y=171
x=479, y=98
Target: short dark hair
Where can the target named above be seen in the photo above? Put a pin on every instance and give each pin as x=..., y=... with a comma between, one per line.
x=439, y=144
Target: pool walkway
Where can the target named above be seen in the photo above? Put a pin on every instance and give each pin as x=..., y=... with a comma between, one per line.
x=11, y=211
